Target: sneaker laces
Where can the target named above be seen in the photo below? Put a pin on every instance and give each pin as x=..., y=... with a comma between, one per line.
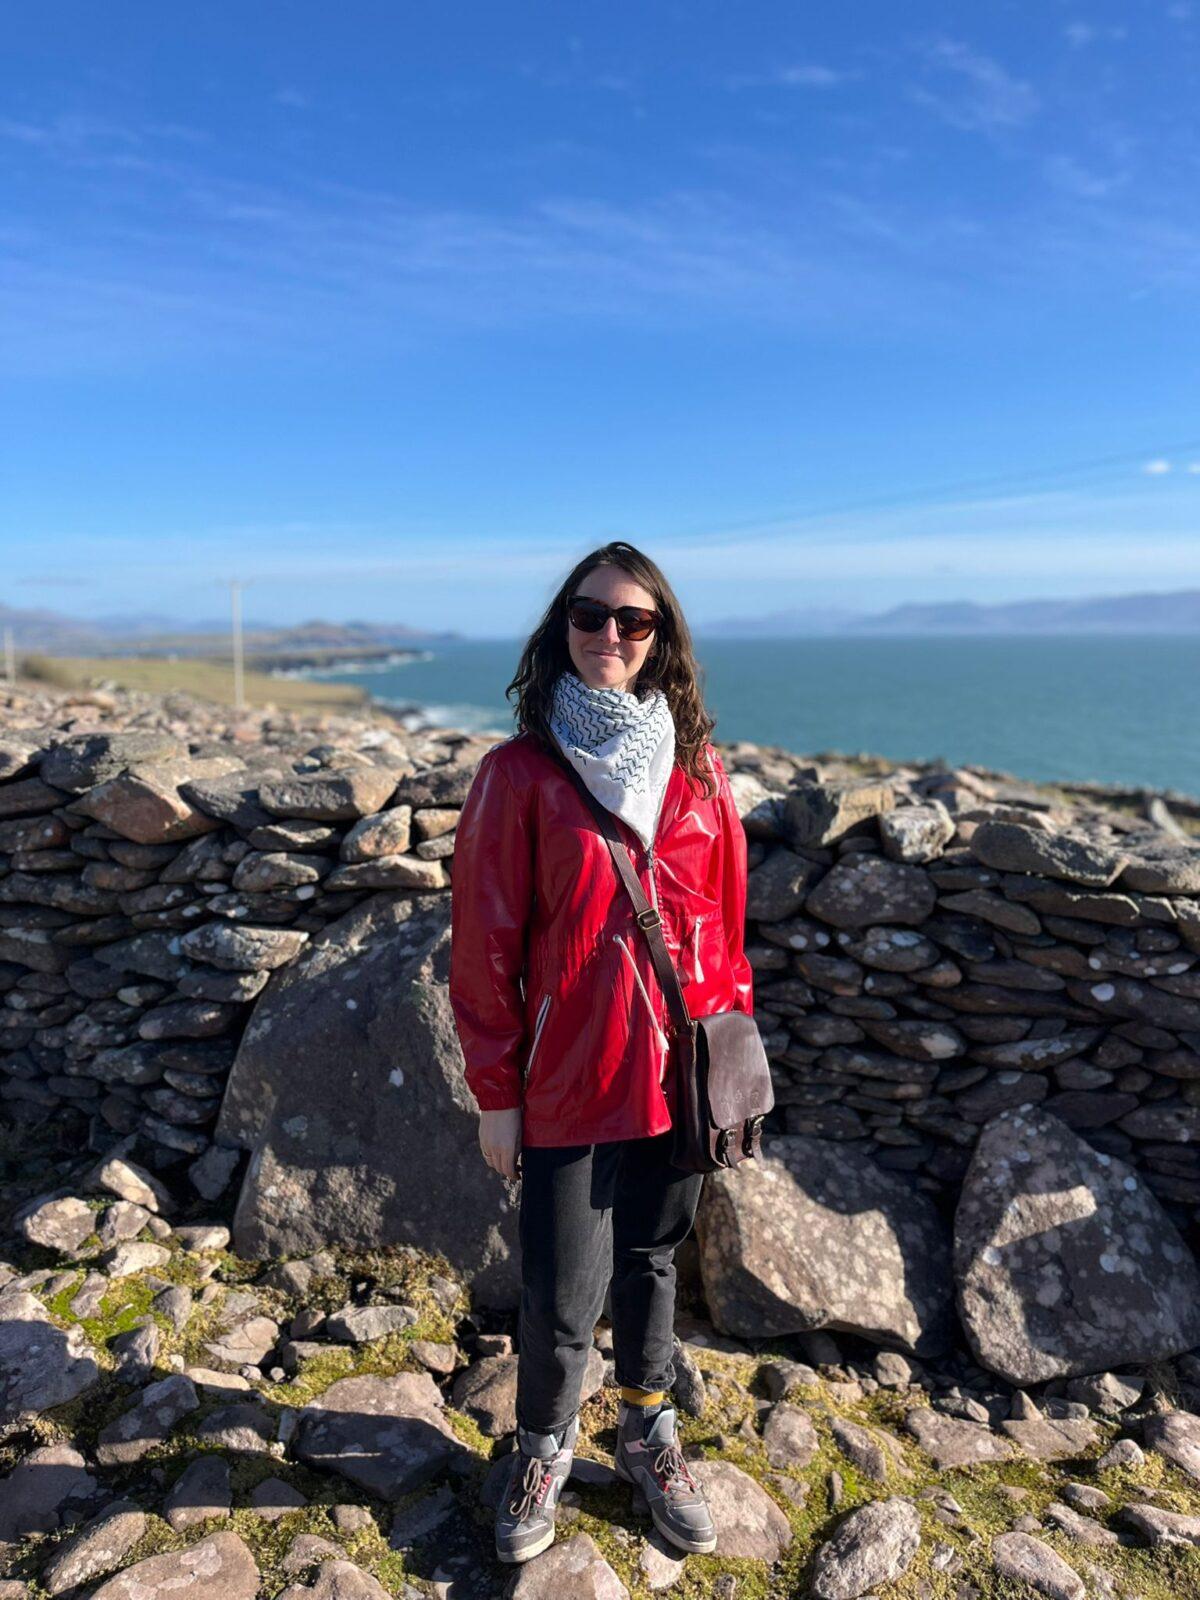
x=671, y=1469
x=535, y=1475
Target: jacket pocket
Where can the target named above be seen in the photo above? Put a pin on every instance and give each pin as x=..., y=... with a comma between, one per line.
x=660, y=1036
x=697, y=969
x=543, y=1011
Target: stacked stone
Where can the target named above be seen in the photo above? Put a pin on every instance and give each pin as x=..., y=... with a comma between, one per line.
x=931, y=946
x=153, y=876
x=930, y=954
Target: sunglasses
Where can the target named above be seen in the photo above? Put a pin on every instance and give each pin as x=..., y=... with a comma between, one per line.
x=589, y=616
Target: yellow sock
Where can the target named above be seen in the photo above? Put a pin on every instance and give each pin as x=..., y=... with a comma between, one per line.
x=639, y=1397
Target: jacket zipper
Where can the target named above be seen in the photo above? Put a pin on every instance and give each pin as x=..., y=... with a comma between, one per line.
x=696, y=948
x=653, y=881
x=537, y=1032
x=664, y=1042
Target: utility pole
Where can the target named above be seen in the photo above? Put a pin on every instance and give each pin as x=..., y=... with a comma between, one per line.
x=10, y=657
x=239, y=683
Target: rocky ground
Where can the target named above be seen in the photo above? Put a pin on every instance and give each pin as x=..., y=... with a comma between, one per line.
x=176, y=1415
x=339, y=1425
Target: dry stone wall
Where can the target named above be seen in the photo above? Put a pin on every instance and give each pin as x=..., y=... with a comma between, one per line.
x=936, y=949
x=931, y=946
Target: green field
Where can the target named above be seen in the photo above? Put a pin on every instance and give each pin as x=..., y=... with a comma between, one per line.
x=206, y=680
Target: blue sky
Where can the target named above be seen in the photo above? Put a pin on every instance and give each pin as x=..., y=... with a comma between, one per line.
x=393, y=311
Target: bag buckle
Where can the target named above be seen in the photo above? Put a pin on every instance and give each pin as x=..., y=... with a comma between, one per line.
x=751, y=1132
x=649, y=918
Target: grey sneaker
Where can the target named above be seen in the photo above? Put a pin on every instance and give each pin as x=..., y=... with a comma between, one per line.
x=649, y=1456
x=541, y=1465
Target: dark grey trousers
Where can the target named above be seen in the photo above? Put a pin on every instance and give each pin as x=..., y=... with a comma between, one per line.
x=590, y=1213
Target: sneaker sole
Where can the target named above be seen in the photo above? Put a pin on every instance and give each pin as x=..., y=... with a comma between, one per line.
x=693, y=1547
x=514, y=1557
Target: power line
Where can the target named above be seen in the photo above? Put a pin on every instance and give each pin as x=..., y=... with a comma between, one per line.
x=1008, y=482
x=239, y=682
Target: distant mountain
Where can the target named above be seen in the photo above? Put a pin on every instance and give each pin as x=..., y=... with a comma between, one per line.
x=809, y=621
x=339, y=634
x=1134, y=613
x=1172, y=612
x=50, y=633
x=146, y=633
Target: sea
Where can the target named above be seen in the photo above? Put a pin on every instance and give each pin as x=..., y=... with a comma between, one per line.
x=1121, y=709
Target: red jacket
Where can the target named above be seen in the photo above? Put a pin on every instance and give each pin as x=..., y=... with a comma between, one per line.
x=555, y=999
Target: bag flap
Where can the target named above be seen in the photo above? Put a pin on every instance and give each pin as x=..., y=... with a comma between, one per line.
x=737, y=1073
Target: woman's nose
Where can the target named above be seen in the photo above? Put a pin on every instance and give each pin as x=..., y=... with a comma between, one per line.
x=609, y=632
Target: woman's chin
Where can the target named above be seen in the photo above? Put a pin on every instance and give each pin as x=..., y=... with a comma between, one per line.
x=605, y=675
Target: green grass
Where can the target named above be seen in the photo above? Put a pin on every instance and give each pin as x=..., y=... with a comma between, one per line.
x=204, y=680
x=727, y=1431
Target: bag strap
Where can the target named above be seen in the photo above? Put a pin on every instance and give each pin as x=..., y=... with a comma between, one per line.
x=648, y=919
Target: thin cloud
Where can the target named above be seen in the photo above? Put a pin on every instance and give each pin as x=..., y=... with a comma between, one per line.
x=176, y=257
x=972, y=91
x=1081, y=34
x=52, y=580
x=1070, y=175
x=1157, y=468
x=70, y=134
x=803, y=75
x=81, y=142
x=1058, y=538
x=811, y=75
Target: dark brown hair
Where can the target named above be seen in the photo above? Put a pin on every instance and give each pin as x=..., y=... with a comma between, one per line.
x=670, y=666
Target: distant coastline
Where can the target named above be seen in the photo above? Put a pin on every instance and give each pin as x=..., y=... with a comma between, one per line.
x=327, y=667
x=307, y=644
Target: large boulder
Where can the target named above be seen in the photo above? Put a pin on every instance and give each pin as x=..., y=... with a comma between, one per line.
x=749, y=1523
x=815, y=1235
x=348, y=1087
x=49, y=1488
x=41, y=1365
x=58, y=1222
x=1176, y=1435
x=148, y=1421
x=572, y=1566
x=96, y=1549
x=217, y=1568
x=1034, y=1566
x=1064, y=1260
x=388, y=1435
x=874, y=1545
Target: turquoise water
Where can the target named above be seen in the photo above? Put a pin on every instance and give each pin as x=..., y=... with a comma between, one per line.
x=1118, y=709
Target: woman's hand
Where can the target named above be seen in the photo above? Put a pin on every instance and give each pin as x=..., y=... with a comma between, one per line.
x=500, y=1139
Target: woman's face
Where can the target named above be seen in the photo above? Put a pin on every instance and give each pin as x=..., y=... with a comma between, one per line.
x=604, y=660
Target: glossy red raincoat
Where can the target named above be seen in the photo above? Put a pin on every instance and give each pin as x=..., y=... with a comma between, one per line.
x=555, y=998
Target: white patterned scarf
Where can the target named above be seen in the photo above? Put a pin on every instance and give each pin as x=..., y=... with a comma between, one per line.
x=622, y=747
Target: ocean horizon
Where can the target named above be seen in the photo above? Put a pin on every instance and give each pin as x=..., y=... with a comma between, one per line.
x=1121, y=709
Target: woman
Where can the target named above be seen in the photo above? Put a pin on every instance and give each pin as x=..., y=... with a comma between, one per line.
x=562, y=1020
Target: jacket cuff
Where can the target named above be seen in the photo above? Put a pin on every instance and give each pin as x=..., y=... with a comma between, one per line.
x=497, y=1099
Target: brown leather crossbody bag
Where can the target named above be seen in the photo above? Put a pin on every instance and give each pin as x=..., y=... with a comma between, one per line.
x=719, y=1081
